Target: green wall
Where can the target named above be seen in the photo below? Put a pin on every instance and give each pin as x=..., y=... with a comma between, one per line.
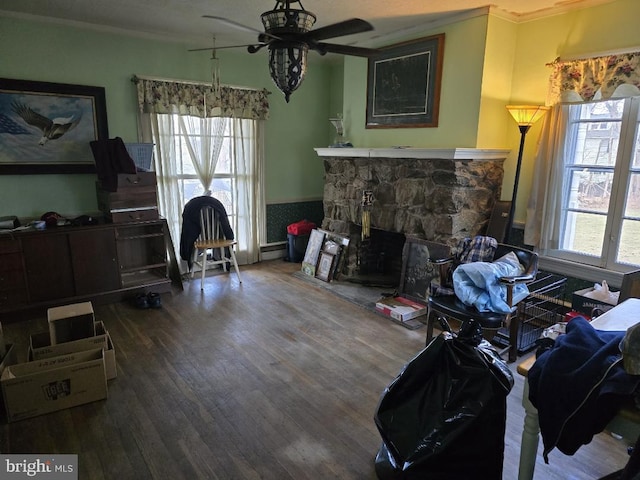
x=489, y=62
x=46, y=52
x=459, y=99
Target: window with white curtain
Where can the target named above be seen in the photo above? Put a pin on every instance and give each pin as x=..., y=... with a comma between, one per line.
x=598, y=221
x=192, y=137
x=207, y=140
x=218, y=156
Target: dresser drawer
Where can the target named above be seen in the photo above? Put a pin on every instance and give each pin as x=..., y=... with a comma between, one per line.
x=141, y=215
x=11, y=298
x=143, y=196
x=140, y=179
x=9, y=245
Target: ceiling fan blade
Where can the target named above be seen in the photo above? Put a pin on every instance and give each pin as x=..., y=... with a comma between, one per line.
x=323, y=48
x=340, y=29
x=257, y=46
x=240, y=26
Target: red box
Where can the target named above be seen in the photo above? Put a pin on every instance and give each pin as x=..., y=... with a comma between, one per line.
x=303, y=227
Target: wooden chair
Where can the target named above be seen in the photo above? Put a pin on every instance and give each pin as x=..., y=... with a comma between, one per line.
x=449, y=306
x=212, y=239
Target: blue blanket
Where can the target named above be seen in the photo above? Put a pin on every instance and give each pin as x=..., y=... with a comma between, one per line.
x=478, y=284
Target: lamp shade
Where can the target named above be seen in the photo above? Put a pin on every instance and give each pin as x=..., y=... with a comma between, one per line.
x=287, y=66
x=527, y=114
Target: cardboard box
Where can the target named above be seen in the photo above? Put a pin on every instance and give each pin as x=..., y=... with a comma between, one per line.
x=44, y=386
x=40, y=347
x=400, y=308
x=9, y=358
x=585, y=305
x=71, y=322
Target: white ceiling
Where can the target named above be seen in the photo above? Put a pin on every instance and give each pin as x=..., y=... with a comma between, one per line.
x=182, y=19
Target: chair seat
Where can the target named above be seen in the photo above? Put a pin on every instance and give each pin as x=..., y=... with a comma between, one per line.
x=451, y=306
x=202, y=244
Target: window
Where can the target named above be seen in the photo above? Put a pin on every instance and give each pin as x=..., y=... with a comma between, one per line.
x=193, y=138
x=222, y=153
x=599, y=216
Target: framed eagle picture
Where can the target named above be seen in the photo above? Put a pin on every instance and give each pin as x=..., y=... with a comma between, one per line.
x=46, y=127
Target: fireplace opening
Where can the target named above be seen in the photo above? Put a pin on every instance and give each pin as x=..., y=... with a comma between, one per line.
x=377, y=260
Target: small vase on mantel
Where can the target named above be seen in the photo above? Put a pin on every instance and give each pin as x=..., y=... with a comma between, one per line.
x=339, y=141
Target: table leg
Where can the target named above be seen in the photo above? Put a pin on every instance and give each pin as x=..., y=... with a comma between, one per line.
x=530, y=438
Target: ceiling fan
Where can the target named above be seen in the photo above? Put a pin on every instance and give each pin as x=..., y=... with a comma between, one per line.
x=288, y=37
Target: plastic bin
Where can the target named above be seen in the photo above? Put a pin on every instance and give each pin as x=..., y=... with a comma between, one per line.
x=296, y=247
x=141, y=153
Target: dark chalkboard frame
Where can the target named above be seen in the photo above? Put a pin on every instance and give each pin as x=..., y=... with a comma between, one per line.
x=403, y=84
x=417, y=271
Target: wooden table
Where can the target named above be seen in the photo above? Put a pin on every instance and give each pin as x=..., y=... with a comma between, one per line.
x=627, y=421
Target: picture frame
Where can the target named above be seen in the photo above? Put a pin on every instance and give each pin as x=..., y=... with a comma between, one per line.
x=47, y=127
x=404, y=83
x=417, y=271
x=312, y=253
x=324, y=271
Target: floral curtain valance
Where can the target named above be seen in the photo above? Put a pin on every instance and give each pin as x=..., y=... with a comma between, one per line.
x=597, y=78
x=200, y=100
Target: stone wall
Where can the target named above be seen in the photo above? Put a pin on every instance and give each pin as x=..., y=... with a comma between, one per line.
x=438, y=199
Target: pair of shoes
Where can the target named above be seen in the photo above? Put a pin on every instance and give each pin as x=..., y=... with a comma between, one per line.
x=154, y=300
x=148, y=300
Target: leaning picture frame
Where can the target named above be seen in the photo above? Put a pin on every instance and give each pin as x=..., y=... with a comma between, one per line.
x=403, y=84
x=325, y=266
x=47, y=127
x=314, y=246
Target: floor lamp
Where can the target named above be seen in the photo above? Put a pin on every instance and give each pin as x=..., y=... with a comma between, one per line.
x=525, y=115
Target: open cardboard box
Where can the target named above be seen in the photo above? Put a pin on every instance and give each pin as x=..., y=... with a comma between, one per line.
x=40, y=347
x=43, y=386
x=585, y=305
x=71, y=322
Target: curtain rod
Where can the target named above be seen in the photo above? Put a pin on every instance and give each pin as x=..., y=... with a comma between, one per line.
x=135, y=79
x=606, y=53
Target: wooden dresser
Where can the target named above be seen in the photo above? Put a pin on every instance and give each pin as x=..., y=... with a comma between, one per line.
x=100, y=263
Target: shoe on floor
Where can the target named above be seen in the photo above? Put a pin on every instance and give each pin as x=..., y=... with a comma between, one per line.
x=154, y=300
x=141, y=301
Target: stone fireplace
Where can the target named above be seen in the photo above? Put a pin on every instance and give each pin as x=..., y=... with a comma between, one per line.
x=442, y=195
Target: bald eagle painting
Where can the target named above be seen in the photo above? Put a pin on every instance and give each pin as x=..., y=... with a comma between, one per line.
x=47, y=127
x=51, y=129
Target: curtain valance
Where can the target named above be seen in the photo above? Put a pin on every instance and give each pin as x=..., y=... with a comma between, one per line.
x=200, y=100
x=598, y=78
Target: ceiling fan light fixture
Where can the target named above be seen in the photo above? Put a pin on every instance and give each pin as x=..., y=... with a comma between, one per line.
x=284, y=19
x=287, y=66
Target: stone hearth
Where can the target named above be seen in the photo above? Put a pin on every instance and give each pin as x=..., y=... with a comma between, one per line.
x=436, y=194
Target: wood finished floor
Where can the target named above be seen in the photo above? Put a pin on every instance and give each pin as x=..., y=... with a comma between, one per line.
x=271, y=379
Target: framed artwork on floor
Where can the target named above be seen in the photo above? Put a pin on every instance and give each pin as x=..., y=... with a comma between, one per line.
x=325, y=266
x=311, y=255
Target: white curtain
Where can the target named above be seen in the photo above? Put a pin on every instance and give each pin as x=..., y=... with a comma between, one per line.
x=168, y=107
x=248, y=146
x=204, y=148
x=543, y=208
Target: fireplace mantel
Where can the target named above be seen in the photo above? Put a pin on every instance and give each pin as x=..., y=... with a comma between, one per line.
x=419, y=153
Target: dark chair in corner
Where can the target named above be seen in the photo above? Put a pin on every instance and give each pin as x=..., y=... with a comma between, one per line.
x=450, y=307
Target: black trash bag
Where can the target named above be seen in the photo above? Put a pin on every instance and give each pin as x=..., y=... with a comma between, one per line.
x=444, y=415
